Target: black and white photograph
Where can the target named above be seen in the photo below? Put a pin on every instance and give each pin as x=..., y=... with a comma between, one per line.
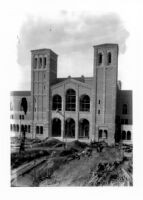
x=72, y=82
x=74, y=126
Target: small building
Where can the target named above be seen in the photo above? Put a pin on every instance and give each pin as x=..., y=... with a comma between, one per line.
x=74, y=108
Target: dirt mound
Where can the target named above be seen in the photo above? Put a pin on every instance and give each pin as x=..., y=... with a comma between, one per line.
x=50, y=142
x=68, y=152
x=77, y=145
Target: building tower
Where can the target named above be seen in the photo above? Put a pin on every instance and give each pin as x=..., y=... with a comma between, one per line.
x=104, y=91
x=43, y=75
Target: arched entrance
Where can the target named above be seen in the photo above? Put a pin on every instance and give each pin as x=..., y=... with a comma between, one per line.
x=56, y=127
x=70, y=128
x=83, y=128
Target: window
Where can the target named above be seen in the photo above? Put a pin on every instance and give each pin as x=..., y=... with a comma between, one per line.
x=70, y=128
x=99, y=58
x=57, y=102
x=56, y=127
x=109, y=58
x=35, y=63
x=126, y=121
x=124, y=109
x=37, y=129
x=100, y=133
x=40, y=63
x=44, y=62
x=19, y=116
x=106, y=134
x=17, y=128
x=98, y=112
x=84, y=103
x=98, y=101
x=41, y=129
x=128, y=135
x=70, y=100
x=83, y=128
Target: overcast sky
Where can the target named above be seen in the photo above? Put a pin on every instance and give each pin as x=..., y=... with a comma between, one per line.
x=71, y=28
x=72, y=36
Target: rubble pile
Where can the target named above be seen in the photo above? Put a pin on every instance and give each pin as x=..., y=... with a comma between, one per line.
x=118, y=173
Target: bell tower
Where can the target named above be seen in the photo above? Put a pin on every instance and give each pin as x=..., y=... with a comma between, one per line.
x=43, y=74
x=104, y=91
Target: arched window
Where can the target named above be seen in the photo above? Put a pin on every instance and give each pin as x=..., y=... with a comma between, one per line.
x=124, y=109
x=41, y=129
x=128, y=135
x=84, y=103
x=40, y=62
x=17, y=128
x=99, y=58
x=14, y=127
x=35, y=62
x=56, y=127
x=109, y=58
x=83, y=128
x=45, y=62
x=22, y=128
x=70, y=100
x=123, y=135
x=105, y=134
x=57, y=102
x=100, y=133
x=70, y=128
x=37, y=129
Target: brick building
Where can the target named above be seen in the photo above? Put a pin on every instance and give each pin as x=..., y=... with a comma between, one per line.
x=74, y=108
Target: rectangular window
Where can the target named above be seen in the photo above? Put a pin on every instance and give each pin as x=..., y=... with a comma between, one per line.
x=41, y=129
x=98, y=112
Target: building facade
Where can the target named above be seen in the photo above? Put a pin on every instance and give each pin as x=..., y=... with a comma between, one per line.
x=74, y=108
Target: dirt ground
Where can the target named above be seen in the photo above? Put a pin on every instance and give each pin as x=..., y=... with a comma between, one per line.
x=78, y=165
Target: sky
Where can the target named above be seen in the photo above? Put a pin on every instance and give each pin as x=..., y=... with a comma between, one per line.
x=70, y=28
x=72, y=36
x=72, y=31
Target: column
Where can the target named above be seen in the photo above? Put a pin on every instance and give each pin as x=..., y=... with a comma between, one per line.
x=63, y=113
x=77, y=113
